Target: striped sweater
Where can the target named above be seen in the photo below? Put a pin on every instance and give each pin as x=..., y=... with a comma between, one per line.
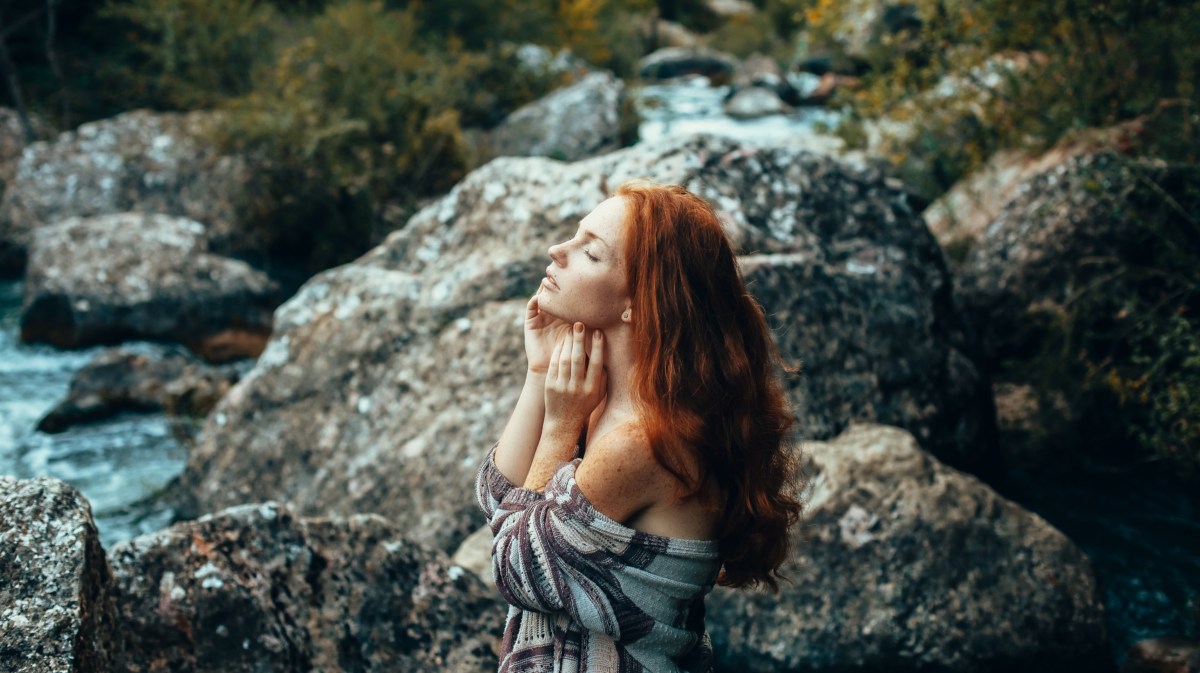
x=587, y=594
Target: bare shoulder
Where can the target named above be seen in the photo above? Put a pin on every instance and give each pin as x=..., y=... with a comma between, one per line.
x=619, y=474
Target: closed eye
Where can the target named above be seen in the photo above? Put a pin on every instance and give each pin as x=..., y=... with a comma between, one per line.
x=591, y=256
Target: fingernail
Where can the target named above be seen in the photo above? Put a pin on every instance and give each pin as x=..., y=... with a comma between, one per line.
x=578, y=327
x=597, y=335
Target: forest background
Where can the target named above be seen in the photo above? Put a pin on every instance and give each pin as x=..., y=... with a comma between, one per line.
x=356, y=112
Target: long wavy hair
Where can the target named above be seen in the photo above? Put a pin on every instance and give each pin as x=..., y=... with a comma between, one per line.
x=706, y=377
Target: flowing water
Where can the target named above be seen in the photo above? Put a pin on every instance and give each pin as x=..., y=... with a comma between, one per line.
x=118, y=464
x=1141, y=531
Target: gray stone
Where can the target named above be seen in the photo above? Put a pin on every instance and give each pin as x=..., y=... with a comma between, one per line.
x=755, y=101
x=256, y=588
x=902, y=563
x=387, y=379
x=571, y=123
x=1163, y=655
x=55, y=586
x=672, y=62
x=143, y=276
x=118, y=380
x=137, y=161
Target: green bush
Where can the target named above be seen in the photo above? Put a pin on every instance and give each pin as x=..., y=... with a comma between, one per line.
x=1006, y=73
x=188, y=54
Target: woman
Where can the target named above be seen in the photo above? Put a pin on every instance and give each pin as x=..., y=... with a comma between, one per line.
x=645, y=460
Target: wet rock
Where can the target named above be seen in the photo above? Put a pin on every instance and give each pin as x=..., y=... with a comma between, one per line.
x=571, y=123
x=762, y=71
x=387, y=379
x=730, y=8
x=905, y=564
x=111, y=278
x=118, y=380
x=1163, y=655
x=257, y=588
x=672, y=62
x=755, y=101
x=138, y=161
x=55, y=585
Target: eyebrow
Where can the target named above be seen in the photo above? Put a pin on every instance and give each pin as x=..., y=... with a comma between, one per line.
x=585, y=232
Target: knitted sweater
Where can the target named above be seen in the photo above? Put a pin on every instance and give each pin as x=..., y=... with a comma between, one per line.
x=587, y=594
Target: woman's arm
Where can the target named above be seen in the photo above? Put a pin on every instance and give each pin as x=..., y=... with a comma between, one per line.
x=574, y=386
x=519, y=440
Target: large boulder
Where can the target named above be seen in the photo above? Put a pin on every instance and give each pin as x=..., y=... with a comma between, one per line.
x=56, y=612
x=110, y=278
x=257, y=588
x=571, y=123
x=387, y=379
x=137, y=161
x=119, y=380
x=1029, y=262
x=903, y=564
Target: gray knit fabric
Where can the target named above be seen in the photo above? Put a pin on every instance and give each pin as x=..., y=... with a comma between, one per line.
x=587, y=594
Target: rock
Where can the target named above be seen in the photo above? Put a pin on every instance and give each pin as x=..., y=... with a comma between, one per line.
x=133, y=276
x=475, y=554
x=828, y=85
x=138, y=161
x=758, y=70
x=118, y=380
x=663, y=33
x=730, y=8
x=672, y=62
x=902, y=563
x=859, y=26
x=56, y=612
x=755, y=102
x=571, y=123
x=1163, y=655
x=1016, y=279
x=387, y=379
x=13, y=143
x=959, y=217
x=257, y=588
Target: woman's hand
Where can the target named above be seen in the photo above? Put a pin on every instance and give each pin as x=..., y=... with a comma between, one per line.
x=542, y=332
x=575, y=384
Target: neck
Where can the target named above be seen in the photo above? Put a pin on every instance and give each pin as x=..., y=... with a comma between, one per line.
x=618, y=359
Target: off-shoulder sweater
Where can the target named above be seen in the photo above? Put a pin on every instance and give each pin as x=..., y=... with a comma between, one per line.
x=586, y=593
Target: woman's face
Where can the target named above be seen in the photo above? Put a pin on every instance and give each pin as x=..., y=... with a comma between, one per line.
x=585, y=281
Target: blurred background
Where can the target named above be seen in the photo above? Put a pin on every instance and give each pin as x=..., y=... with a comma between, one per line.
x=304, y=132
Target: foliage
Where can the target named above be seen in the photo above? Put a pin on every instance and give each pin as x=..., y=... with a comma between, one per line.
x=350, y=116
x=968, y=78
x=188, y=54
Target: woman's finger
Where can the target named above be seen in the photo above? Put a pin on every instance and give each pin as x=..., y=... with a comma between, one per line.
x=531, y=309
x=595, y=361
x=552, y=369
x=578, y=364
x=564, y=358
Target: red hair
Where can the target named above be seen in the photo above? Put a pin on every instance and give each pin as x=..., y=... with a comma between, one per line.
x=705, y=377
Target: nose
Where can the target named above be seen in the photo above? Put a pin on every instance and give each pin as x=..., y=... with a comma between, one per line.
x=558, y=254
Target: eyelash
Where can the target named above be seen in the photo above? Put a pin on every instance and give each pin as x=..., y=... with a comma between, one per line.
x=590, y=256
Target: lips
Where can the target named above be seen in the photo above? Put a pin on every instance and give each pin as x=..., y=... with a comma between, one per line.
x=549, y=281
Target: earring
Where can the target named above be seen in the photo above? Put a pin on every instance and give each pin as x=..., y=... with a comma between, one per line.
x=626, y=315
